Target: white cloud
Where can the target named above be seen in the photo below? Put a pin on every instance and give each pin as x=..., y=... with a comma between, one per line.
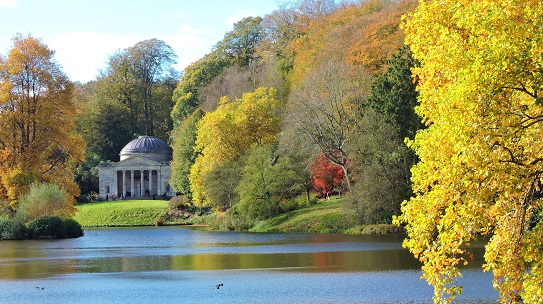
x=8, y=3
x=83, y=54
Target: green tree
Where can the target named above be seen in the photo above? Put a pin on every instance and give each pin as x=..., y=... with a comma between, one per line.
x=86, y=174
x=196, y=75
x=381, y=159
x=105, y=125
x=267, y=180
x=151, y=62
x=394, y=94
x=239, y=45
x=381, y=163
x=479, y=172
x=184, y=154
x=300, y=154
x=139, y=78
x=221, y=181
x=237, y=48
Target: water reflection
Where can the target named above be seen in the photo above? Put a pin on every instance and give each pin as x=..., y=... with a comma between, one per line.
x=142, y=265
x=158, y=249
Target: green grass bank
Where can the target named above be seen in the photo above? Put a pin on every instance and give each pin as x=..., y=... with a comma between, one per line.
x=327, y=216
x=122, y=213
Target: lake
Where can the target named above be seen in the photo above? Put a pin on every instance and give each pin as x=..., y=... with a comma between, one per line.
x=184, y=265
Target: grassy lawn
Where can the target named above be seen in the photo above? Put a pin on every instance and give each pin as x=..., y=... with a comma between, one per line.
x=325, y=216
x=121, y=213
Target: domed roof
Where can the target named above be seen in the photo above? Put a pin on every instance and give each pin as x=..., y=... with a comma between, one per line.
x=145, y=145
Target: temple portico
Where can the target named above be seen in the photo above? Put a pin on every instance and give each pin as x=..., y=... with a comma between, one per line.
x=144, y=170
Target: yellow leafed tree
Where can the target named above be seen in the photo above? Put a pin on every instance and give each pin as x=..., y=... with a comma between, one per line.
x=231, y=130
x=481, y=157
x=38, y=143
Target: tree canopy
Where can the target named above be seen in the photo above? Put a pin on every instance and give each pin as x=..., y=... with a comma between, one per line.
x=479, y=174
x=184, y=154
x=132, y=97
x=231, y=130
x=36, y=119
x=136, y=78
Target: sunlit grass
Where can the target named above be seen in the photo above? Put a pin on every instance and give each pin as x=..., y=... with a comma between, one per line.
x=121, y=213
x=326, y=216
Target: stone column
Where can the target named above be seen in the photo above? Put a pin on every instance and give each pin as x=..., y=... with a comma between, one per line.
x=159, y=181
x=123, y=181
x=132, y=183
x=150, y=182
x=143, y=187
x=138, y=194
x=113, y=188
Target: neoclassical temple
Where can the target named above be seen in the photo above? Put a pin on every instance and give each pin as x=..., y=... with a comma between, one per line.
x=143, y=170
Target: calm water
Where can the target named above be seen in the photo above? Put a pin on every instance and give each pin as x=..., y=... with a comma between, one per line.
x=183, y=265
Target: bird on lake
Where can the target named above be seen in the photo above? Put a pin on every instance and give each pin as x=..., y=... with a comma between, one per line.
x=219, y=285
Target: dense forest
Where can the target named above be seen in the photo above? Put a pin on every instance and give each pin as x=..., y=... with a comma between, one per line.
x=314, y=99
x=426, y=114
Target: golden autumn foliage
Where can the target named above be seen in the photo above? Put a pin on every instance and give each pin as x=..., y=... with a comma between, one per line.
x=36, y=122
x=364, y=33
x=231, y=130
x=481, y=157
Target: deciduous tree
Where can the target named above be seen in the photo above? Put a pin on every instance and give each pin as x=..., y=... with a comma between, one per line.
x=184, y=154
x=323, y=108
x=105, y=125
x=267, y=179
x=221, y=182
x=326, y=175
x=381, y=167
x=36, y=119
x=381, y=159
x=239, y=45
x=140, y=78
x=480, y=173
x=196, y=75
x=237, y=48
x=231, y=130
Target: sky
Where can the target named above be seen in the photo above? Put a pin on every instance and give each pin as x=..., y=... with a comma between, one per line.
x=84, y=33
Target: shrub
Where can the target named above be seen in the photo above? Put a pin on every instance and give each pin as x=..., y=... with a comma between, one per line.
x=73, y=228
x=84, y=199
x=44, y=200
x=230, y=221
x=47, y=227
x=199, y=210
x=298, y=202
x=179, y=202
x=11, y=229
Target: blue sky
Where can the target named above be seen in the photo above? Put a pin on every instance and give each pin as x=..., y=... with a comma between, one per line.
x=85, y=32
